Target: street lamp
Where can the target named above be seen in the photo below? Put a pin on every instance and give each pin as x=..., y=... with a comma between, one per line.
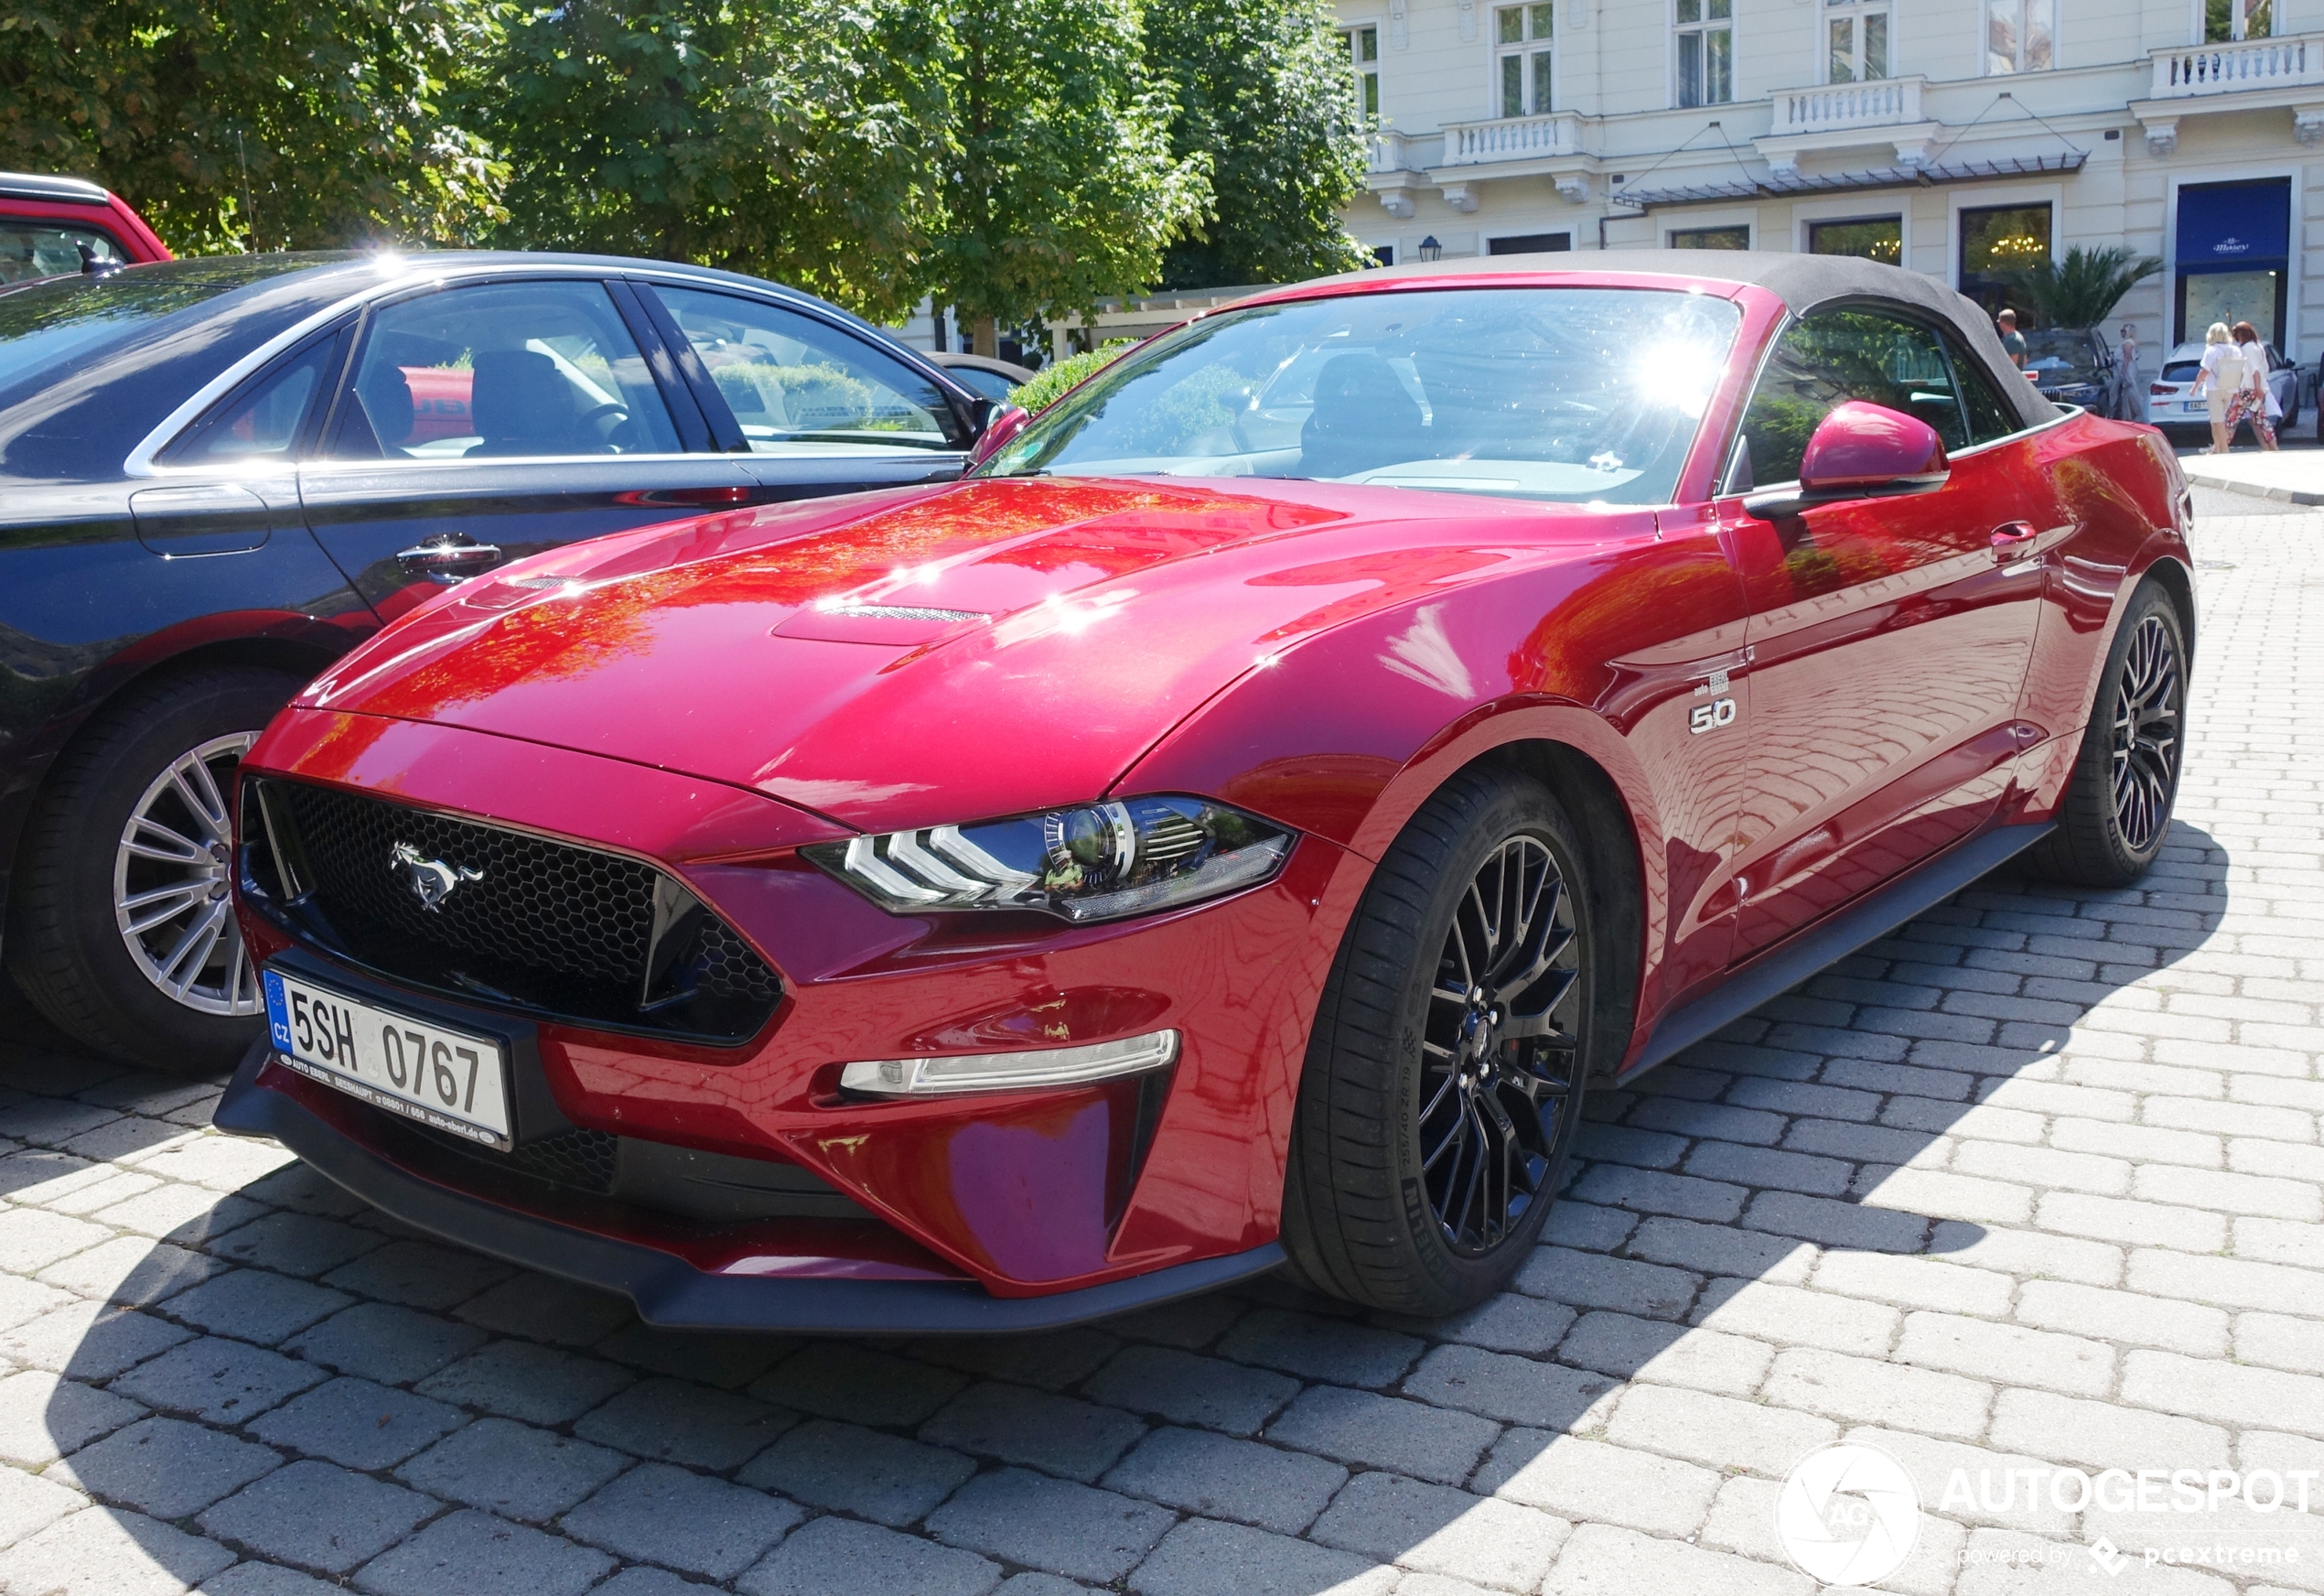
x=1430, y=249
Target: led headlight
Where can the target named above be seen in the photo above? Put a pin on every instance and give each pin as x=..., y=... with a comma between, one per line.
x=1065, y=1066
x=1094, y=861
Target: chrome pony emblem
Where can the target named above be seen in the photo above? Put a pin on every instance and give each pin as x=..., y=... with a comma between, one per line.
x=431, y=881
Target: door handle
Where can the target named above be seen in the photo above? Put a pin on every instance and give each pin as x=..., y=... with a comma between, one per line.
x=448, y=557
x=2011, y=539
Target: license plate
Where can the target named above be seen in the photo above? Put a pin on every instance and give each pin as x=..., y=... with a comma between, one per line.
x=2195, y=404
x=448, y=1079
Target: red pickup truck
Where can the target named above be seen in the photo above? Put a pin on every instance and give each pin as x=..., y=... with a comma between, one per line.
x=52, y=225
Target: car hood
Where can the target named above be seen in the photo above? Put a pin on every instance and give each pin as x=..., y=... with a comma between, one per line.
x=932, y=655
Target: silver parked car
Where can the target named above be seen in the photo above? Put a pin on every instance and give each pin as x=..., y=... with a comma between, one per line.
x=2172, y=403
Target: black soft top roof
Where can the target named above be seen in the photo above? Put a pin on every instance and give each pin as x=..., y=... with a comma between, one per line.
x=1801, y=281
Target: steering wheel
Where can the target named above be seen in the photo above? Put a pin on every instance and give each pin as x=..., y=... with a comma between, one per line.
x=588, y=418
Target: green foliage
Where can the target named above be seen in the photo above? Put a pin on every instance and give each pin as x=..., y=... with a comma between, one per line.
x=253, y=124
x=798, y=141
x=1060, y=183
x=1264, y=89
x=1050, y=382
x=2082, y=289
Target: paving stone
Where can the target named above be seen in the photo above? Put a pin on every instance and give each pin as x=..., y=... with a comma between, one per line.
x=2225, y=1393
x=255, y=1305
x=2102, y=1434
x=1755, y=1167
x=223, y=1163
x=103, y=1551
x=131, y=1270
x=2271, y=1339
x=520, y=1380
x=1589, y=1481
x=1202, y=1558
x=1042, y=1585
x=540, y=1307
x=1189, y=1389
x=2006, y=1353
x=90, y=1341
x=85, y=1199
x=1220, y=1477
x=1914, y=1281
x=2000, y=1489
x=1651, y=1349
x=1602, y=1560
x=1049, y=1524
x=1587, y=1226
x=2125, y=1316
x=881, y=1477
x=856, y=1384
x=166, y=1467
x=1056, y=1434
x=419, y=1275
x=1786, y=1313
x=317, y=1516
x=1439, y=1530
x=358, y=1423
x=1052, y=1361
x=381, y=1342
x=1743, y=1520
x=683, y=1423
x=1384, y=1432
x=1588, y=1280
x=22, y=1300
x=512, y=1470
x=49, y=1121
x=1830, y=1223
x=266, y=1580
x=1721, y=1249
x=2228, y=1282
x=477, y=1555
x=643, y=1582
x=2026, y=1252
x=32, y=1501
x=1657, y=1192
x=296, y=1244
x=1510, y=1323
x=44, y=1415
x=1515, y=1390
x=657, y=1513
x=1863, y=1390
x=1321, y=1349
x=836, y=1557
x=1720, y=1432
x=35, y=1238
x=217, y=1381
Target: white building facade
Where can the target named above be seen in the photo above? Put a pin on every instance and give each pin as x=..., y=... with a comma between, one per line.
x=1956, y=137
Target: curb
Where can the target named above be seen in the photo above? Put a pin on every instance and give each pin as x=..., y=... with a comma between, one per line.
x=2284, y=495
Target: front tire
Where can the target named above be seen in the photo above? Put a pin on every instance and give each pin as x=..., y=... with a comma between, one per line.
x=120, y=931
x=1452, y=1049
x=2116, y=809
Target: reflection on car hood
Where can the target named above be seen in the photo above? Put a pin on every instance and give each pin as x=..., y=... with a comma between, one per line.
x=931, y=655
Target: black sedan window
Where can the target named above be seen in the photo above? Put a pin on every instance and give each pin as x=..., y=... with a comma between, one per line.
x=506, y=370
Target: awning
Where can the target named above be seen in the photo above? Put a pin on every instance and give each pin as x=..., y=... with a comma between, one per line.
x=1772, y=187
x=2234, y=227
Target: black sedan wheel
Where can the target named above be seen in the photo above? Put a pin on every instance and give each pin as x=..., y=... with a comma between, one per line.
x=2116, y=811
x=1445, y=1074
x=120, y=929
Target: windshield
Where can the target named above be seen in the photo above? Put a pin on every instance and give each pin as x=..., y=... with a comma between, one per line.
x=1564, y=394
x=2061, y=357
x=47, y=323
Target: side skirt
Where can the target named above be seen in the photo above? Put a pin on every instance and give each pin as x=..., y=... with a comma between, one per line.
x=1821, y=945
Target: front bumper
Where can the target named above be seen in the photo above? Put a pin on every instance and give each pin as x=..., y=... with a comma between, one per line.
x=672, y=1293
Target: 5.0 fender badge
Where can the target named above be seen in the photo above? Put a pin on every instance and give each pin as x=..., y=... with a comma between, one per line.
x=1720, y=711
x=431, y=881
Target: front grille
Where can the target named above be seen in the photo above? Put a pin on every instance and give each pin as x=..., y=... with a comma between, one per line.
x=509, y=920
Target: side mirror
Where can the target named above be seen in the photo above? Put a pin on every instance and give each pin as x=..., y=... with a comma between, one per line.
x=1860, y=451
x=1002, y=422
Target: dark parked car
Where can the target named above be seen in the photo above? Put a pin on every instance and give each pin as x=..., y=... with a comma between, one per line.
x=2072, y=365
x=994, y=379
x=216, y=476
x=54, y=226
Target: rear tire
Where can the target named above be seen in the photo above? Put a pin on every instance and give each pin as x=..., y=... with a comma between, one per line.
x=2116, y=814
x=1434, y=1123
x=129, y=826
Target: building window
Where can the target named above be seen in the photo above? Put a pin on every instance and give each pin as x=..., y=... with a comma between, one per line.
x=1857, y=32
x=1364, y=53
x=1706, y=52
x=1876, y=238
x=2019, y=34
x=1529, y=244
x=2225, y=21
x=1385, y=254
x=1716, y=238
x=1521, y=47
x=1996, y=242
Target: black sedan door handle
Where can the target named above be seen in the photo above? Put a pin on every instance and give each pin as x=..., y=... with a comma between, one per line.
x=448, y=558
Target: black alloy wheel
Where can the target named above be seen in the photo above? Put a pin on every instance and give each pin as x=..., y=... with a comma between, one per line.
x=1500, y=1047
x=1445, y=1074
x=2115, y=815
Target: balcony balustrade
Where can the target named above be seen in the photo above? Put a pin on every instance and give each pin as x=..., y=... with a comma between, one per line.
x=1512, y=138
x=1842, y=107
x=2227, y=69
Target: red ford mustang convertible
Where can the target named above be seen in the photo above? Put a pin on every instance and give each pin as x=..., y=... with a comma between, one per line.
x=1234, y=826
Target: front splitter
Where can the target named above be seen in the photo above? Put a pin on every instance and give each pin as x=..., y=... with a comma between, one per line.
x=671, y=1293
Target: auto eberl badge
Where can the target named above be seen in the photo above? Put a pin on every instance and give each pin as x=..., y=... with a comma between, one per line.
x=431, y=881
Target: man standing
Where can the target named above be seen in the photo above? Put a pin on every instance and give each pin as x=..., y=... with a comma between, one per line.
x=2012, y=339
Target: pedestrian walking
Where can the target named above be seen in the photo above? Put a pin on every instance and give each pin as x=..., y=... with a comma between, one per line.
x=2013, y=342
x=2217, y=379
x=2255, y=400
x=2130, y=397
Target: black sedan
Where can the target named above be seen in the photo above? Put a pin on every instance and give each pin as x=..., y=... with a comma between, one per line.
x=216, y=476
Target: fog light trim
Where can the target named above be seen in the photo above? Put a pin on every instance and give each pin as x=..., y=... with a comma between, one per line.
x=1011, y=1072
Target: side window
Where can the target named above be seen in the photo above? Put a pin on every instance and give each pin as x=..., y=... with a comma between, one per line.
x=1989, y=418
x=505, y=369
x=261, y=419
x=797, y=386
x=1828, y=358
x=48, y=249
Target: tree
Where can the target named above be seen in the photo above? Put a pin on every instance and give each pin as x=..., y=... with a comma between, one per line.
x=1263, y=88
x=799, y=141
x=251, y=123
x=1061, y=184
x=2084, y=289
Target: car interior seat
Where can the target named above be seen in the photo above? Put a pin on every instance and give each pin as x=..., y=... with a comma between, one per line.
x=521, y=404
x=1362, y=419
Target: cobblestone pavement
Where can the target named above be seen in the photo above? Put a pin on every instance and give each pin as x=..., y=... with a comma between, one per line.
x=2034, y=1184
